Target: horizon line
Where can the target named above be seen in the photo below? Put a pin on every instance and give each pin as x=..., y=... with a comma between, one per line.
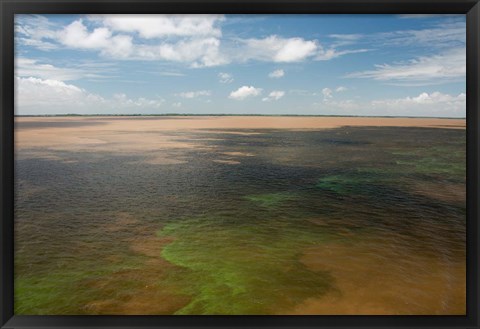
x=210, y=114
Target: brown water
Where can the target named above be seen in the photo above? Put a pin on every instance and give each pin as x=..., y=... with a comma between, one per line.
x=211, y=216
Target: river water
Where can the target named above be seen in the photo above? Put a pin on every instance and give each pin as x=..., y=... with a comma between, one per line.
x=349, y=220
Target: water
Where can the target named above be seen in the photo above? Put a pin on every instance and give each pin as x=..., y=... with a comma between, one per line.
x=350, y=220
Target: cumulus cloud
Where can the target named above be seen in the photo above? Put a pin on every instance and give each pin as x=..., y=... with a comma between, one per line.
x=111, y=38
x=177, y=104
x=198, y=52
x=39, y=96
x=150, y=26
x=36, y=30
x=194, y=94
x=225, y=77
x=274, y=96
x=277, y=49
x=327, y=93
x=340, y=89
x=294, y=49
x=446, y=67
x=276, y=74
x=192, y=39
x=77, y=35
x=245, y=92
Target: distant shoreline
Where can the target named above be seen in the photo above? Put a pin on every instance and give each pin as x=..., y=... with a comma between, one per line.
x=165, y=122
x=230, y=115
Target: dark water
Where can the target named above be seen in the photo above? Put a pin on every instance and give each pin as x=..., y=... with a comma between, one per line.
x=354, y=220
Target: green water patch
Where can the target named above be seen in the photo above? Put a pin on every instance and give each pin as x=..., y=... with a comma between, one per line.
x=271, y=199
x=449, y=159
x=49, y=294
x=67, y=289
x=238, y=268
x=404, y=166
x=341, y=184
x=355, y=182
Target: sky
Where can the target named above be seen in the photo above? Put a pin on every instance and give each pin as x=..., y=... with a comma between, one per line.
x=367, y=65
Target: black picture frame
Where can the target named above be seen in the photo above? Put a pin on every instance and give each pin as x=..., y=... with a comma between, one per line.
x=471, y=8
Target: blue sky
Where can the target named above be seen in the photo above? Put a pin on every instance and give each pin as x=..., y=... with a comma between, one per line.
x=394, y=65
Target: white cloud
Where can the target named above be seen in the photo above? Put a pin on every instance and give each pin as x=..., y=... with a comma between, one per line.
x=39, y=96
x=27, y=67
x=327, y=93
x=328, y=54
x=445, y=67
x=194, y=94
x=346, y=37
x=435, y=104
x=197, y=52
x=150, y=26
x=276, y=74
x=278, y=49
x=192, y=39
x=77, y=35
x=177, y=104
x=274, y=96
x=225, y=77
x=435, y=98
x=244, y=92
x=441, y=36
x=286, y=50
x=35, y=31
x=295, y=49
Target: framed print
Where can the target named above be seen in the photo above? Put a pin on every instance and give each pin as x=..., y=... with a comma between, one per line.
x=231, y=164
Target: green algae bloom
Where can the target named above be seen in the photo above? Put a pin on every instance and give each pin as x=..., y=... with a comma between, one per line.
x=235, y=268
